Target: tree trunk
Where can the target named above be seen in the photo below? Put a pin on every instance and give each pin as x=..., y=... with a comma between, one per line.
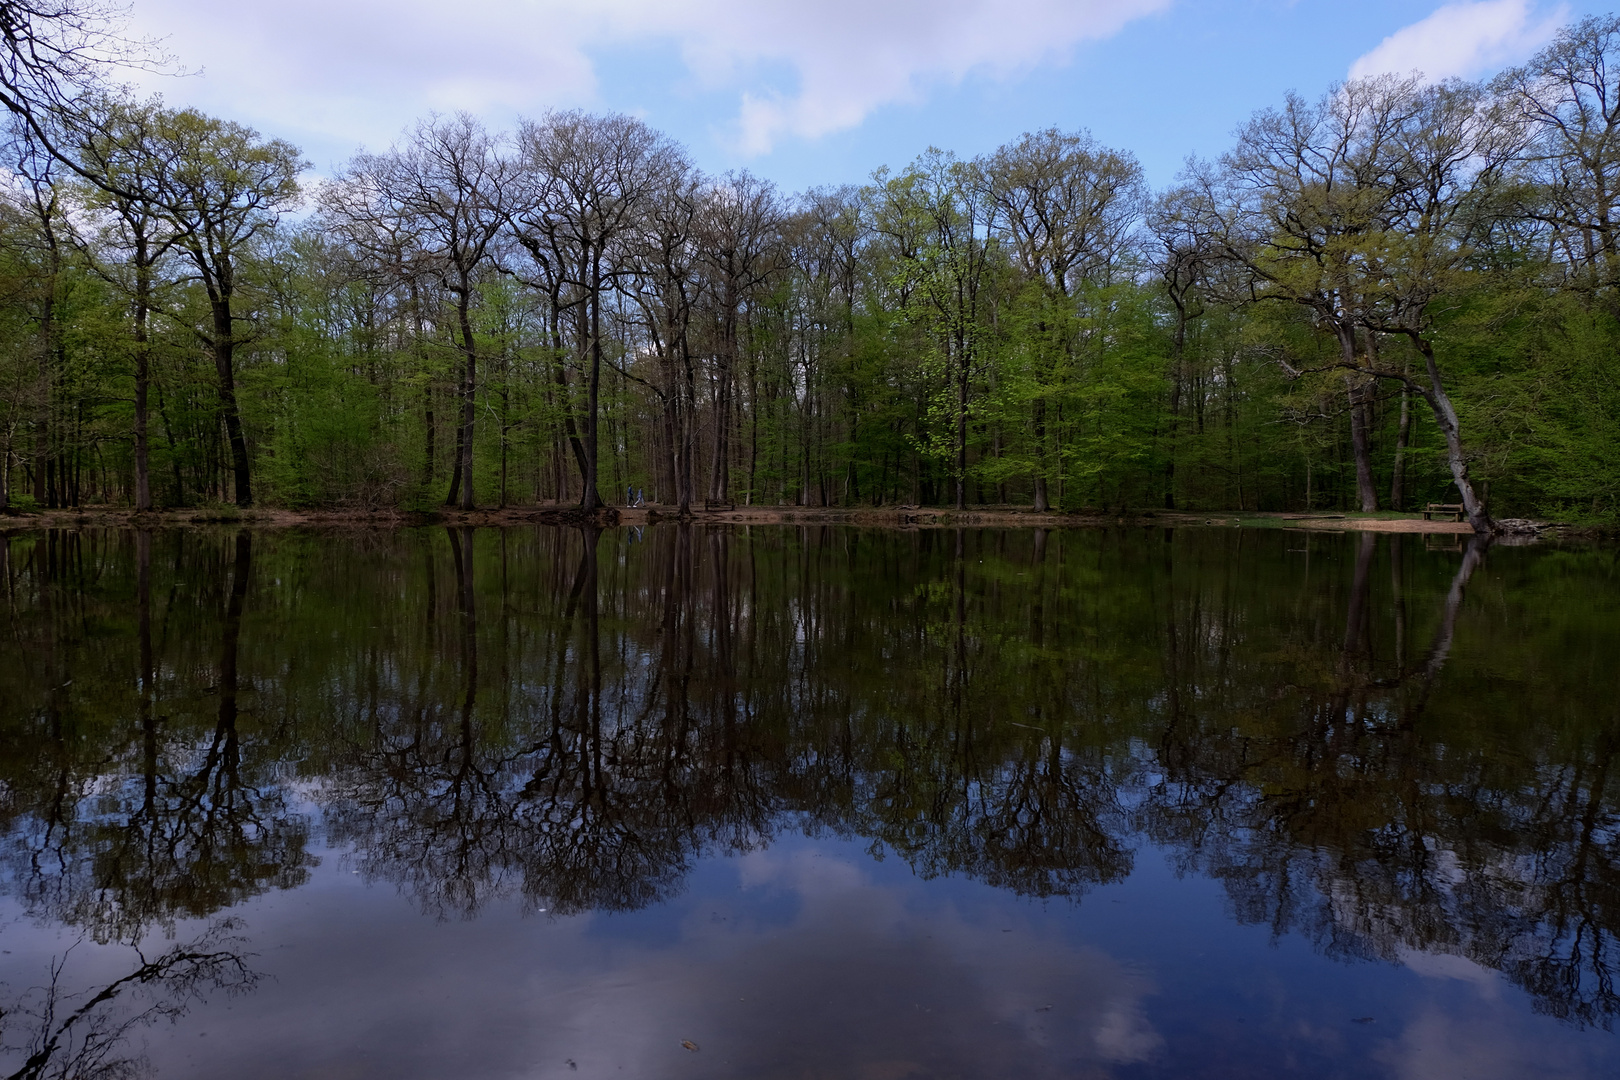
x=42, y=429
x=722, y=430
x=453, y=496
x=1360, y=436
x=689, y=418
x=559, y=377
x=469, y=389
x=1446, y=417
x=753, y=423
x=143, y=361
x=590, y=498
x=224, y=365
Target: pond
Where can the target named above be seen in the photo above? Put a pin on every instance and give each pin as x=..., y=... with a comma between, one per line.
x=807, y=802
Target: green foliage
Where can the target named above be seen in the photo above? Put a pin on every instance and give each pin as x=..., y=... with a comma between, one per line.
x=1000, y=330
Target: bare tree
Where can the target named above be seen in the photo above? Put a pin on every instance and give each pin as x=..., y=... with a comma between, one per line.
x=825, y=247
x=53, y=55
x=1569, y=99
x=589, y=181
x=438, y=207
x=739, y=247
x=667, y=286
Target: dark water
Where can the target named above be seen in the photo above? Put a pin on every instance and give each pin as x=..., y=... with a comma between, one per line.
x=821, y=803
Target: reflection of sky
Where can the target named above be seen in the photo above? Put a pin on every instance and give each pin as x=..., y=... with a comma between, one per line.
x=811, y=959
x=802, y=957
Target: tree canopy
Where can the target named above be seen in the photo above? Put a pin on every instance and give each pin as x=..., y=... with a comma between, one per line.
x=1399, y=292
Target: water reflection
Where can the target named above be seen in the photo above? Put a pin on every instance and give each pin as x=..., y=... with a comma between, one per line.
x=65, y=1029
x=118, y=826
x=938, y=995
x=1394, y=752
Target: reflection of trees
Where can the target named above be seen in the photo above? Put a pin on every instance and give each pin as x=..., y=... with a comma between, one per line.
x=421, y=802
x=687, y=710
x=1354, y=814
x=122, y=825
x=1384, y=758
x=575, y=804
x=49, y=1032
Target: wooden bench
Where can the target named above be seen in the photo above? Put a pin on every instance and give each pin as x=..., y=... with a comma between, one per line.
x=1454, y=509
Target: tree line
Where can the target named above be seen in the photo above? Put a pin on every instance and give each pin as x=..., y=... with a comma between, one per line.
x=1400, y=292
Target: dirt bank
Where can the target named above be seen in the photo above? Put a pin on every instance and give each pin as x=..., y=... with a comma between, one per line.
x=904, y=517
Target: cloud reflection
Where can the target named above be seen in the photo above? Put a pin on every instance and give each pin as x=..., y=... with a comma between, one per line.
x=858, y=984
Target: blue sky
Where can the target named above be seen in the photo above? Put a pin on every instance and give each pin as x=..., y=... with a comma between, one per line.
x=817, y=93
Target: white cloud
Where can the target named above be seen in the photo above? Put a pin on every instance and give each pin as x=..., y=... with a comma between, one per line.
x=1437, y=965
x=1461, y=40
x=854, y=56
x=360, y=69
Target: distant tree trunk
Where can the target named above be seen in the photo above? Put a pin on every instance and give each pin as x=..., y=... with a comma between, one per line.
x=469, y=390
x=753, y=426
x=174, y=455
x=43, y=493
x=429, y=450
x=1397, y=482
x=668, y=465
x=429, y=421
x=688, y=450
x=719, y=472
x=143, y=361
x=1178, y=349
x=961, y=423
x=1041, y=503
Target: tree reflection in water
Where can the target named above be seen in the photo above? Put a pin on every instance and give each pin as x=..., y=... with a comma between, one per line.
x=1383, y=748
x=53, y=1031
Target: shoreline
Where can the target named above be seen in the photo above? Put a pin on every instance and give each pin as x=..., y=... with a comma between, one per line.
x=893, y=517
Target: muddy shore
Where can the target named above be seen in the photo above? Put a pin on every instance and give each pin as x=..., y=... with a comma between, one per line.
x=905, y=517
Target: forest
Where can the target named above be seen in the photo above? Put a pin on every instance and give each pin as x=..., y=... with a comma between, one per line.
x=1395, y=293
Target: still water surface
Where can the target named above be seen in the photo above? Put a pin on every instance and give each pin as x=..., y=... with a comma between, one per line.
x=783, y=802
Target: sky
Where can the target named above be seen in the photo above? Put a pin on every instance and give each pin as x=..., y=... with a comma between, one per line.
x=815, y=92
